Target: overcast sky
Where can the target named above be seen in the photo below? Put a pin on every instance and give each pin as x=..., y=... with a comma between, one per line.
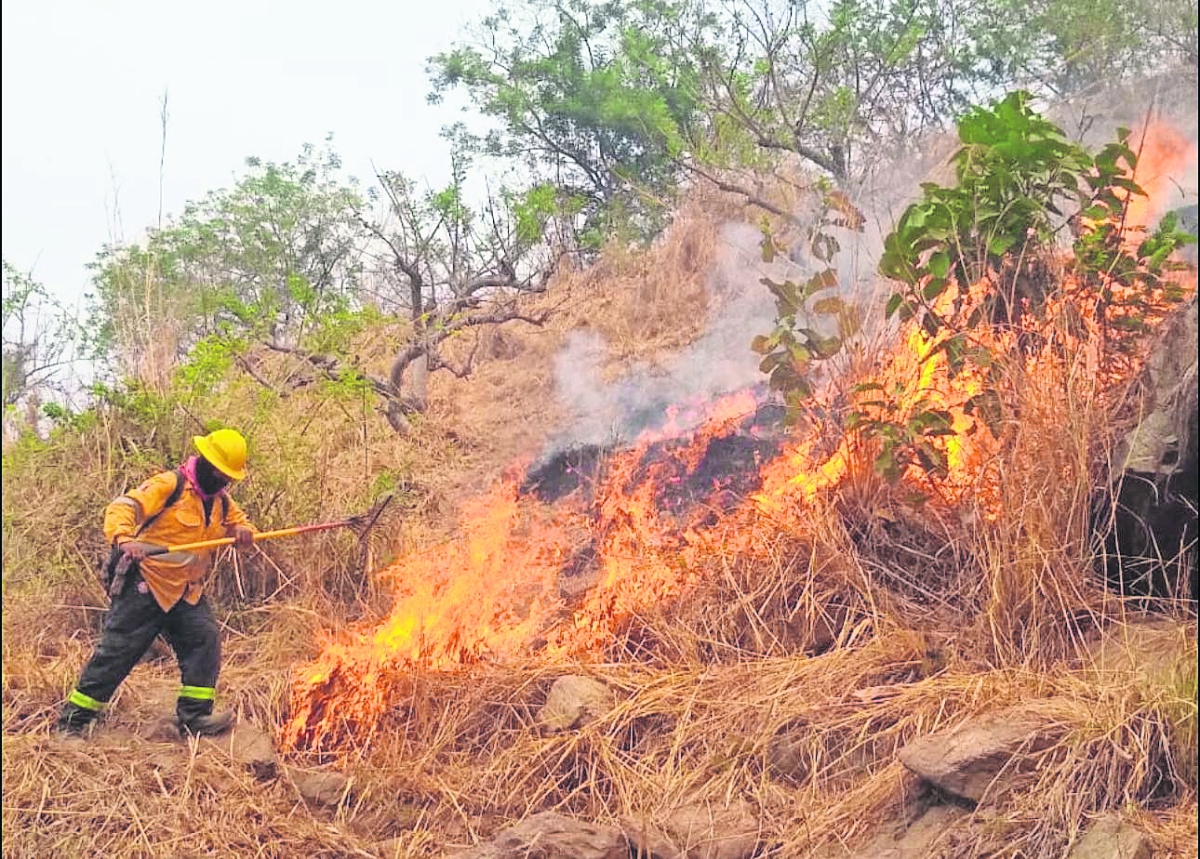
x=83, y=80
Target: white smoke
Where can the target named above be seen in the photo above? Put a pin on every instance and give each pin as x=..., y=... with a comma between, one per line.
x=720, y=361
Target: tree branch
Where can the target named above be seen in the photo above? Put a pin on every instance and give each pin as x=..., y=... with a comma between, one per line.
x=751, y=198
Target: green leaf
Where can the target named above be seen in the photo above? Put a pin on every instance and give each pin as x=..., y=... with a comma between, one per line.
x=887, y=466
x=934, y=288
x=786, y=298
x=939, y=264
x=999, y=245
x=826, y=279
x=770, y=362
x=762, y=345
x=828, y=347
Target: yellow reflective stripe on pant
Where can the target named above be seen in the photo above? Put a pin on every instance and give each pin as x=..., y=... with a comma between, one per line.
x=200, y=693
x=85, y=701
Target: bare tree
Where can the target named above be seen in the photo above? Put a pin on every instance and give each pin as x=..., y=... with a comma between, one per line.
x=449, y=269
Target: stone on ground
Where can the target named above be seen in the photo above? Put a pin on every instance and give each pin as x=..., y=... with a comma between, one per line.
x=573, y=702
x=247, y=746
x=697, y=831
x=321, y=788
x=1112, y=838
x=985, y=755
x=923, y=838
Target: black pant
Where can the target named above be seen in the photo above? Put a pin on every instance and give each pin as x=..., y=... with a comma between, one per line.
x=133, y=621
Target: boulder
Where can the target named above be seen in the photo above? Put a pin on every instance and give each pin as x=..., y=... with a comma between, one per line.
x=1111, y=838
x=696, y=831
x=923, y=838
x=1150, y=523
x=551, y=835
x=985, y=755
x=573, y=702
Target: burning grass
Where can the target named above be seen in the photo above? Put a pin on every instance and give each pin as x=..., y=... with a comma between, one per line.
x=998, y=544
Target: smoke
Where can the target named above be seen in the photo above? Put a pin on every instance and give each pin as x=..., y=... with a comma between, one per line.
x=614, y=412
x=611, y=412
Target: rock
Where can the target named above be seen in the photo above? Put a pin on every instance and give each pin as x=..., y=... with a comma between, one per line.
x=1154, y=480
x=916, y=840
x=322, y=788
x=697, y=831
x=551, y=835
x=248, y=746
x=983, y=754
x=1111, y=838
x=573, y=702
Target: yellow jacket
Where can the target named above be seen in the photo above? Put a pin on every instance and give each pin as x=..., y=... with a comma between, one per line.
x=173, y=575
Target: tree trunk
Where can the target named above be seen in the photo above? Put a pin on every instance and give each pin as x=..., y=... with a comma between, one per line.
x=419, y=382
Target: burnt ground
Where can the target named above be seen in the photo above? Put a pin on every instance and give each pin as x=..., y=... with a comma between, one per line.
x=728, y=468
x=693, y=488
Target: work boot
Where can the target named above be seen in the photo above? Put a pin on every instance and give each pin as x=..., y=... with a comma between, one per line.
x=74, y=721
x=208, y=724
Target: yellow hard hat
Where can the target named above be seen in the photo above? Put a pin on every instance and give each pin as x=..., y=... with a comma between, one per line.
x=225, y=449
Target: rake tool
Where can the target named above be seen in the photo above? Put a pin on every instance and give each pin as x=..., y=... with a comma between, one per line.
x=115, y=571
x=360, y=524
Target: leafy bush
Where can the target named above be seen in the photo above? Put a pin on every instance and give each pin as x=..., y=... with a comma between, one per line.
x=974, y=270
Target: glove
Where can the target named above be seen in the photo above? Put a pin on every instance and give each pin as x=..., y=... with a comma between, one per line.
x=243, y=537
x=137, y=551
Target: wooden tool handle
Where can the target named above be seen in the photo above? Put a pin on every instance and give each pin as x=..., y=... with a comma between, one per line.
x=261, y=535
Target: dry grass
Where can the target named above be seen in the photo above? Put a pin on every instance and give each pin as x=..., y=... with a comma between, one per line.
x=121, y=796
x=460, y=755
x=809, y=654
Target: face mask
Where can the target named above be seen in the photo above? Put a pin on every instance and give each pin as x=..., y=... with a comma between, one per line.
x=210, y=479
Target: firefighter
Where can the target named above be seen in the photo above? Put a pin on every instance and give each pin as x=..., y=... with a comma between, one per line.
x=155, y=592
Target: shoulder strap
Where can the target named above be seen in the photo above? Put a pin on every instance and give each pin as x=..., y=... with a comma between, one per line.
x=171, y=499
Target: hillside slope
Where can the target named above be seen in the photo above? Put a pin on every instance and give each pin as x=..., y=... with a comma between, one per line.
x=774, y=630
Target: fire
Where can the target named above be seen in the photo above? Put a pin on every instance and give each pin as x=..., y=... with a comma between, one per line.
x=493, y=592
x=630, y=530
x=1162, y=151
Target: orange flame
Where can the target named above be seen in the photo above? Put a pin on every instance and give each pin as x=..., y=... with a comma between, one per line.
x=643, y=530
